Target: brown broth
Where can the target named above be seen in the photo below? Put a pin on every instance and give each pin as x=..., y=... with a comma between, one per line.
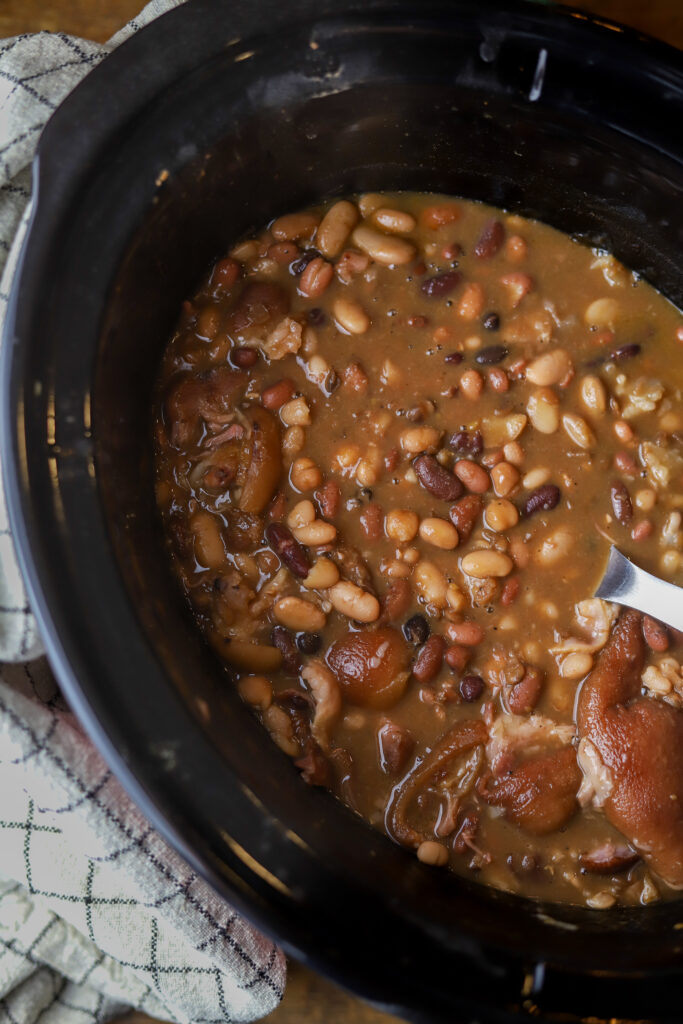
x=613, y=397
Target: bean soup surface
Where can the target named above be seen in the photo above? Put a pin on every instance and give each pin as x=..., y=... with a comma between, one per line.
x=395, y=436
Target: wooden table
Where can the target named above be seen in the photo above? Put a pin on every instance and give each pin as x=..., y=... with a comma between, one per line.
x=309, y=998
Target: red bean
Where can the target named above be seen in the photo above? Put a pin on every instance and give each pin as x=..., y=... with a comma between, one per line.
x=621, y=502
x=490, y=240
x=328, y=498
x=243, y=357
x=457, y=656
x=278, y=393
x=288, y=549
x=428, y=662
x=441, y=284
x=656, y=636
x=545, y=498
x=471, y=688
x=524, y=695
x=464, y=515
x=396, y=601
x=372, y=521
x=395, y=746
x=436, y=479
x=468, y=633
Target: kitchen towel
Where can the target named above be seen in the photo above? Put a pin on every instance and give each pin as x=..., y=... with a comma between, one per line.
x=97, y=912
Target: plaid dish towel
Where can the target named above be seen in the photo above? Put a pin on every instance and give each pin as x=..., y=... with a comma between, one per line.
x=97, y=913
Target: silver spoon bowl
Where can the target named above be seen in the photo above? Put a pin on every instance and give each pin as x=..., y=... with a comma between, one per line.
x=624, y=583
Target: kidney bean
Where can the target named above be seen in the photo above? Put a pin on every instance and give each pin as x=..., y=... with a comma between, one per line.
x=468, y=633
x=309, y=643
x=471, y=688
x=491, y=355
x=328, y=498
x=642, y=530
x=491, y=321
x=395, y=746
x=543, y=498
x=428, y=662
x=243, y=357
x=625, y=463
x=464, y=443
x=656, y=636
x=524, y=695
x=457, y=656
x=608, y=859
x=278, y=393
x=416, y=629
x=474, y=477
x=372, y=521
x=490, y=240
x=284, y=641
x=436, y=479
x=288, y=549
x=453, y=358
x=625, y=352
x=621, y=502
x=509, y=591
x=464, y=515
x=396, y=601
x=441, y=284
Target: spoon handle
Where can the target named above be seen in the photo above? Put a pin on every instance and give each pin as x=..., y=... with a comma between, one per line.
x=625, y=583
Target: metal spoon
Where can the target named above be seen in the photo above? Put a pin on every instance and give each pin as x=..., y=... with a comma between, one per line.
x=625, y=583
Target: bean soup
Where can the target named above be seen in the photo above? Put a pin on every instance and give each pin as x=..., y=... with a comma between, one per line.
x=395, y=437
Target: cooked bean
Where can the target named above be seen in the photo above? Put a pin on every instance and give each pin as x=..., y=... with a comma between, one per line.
x=501, y=515
x=490, y=355
x=551, y=368
x=256, y=690
x=543, y=410
x=354, y=602
x=609, y=859
x=427, y=665
x=253, y=657
x=323, y=575
x=208, y=540
x=432, y=853
x=557, y=546
x=625, y=352
x=372, y=521
x=453, y=358
x=578, y=430
x=304, y=475
x=302, y=514
x=416, y=629
x=442, y=213
x=275, y=396
x=396, y=221
x=504, y=478
x=288, y=549
x=543, y=499
x=431, y=584
x=281, y=638
x=436, y=479
x=419, y=439
x=498, y=380
x=309, y=643
x=350, y=316
x=464, y=443
x=524, y=695
x=440, y=285
x=316, y=278
x=401, y=525
x=593, y=394
x=316, y=534
x=298, y=614
x=464, y=515
x=472, y=384
x=243, y=358
x=385, y=249
x=491, y=321
x=395, y=747
x=474, y=477
x=335, y=228
x=439, y=533
x=576, y=665
x=472, y=301
x=601, y=313
x=471, y=688
x=621, y=502
x=296, y=413
x=490, y=240
x=656, y=636
x=486, y=562
x=293, y=226
x=468, y=633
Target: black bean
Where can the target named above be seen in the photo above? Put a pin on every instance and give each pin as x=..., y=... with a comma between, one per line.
x=471, y=688
x=453, y=358
x=545, y=498
x=416, y=629
x=464, y=443
x=491, y=321
x=288, y=549
x=298, y=266
x=284, y=641
x=441, y=284
x=316, y=317
x=436, y=479
x=491, y=355
x=621, y=502
x=490, y=240
x=625, y=352
x=309, y=643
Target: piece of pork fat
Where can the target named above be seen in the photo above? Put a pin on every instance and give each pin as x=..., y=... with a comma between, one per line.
x=640, y=743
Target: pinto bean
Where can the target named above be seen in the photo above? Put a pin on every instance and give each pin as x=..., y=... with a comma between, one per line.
x=288, y=550
x=436, y=479
x=464, y=515
x=490, y=240
x=457, y=656
x=468, y=633
x=396, y=601
x=474, y=477
x=315, y=278
x=524, y=695
x=428, y=662
x=621, y=502
x=335, y=227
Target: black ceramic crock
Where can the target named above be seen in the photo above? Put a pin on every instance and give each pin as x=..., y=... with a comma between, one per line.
x=207, y=123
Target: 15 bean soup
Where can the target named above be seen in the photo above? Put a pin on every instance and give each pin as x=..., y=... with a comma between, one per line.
x=395, y=436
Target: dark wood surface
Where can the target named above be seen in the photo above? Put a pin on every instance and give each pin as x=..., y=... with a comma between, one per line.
x=309, y=998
